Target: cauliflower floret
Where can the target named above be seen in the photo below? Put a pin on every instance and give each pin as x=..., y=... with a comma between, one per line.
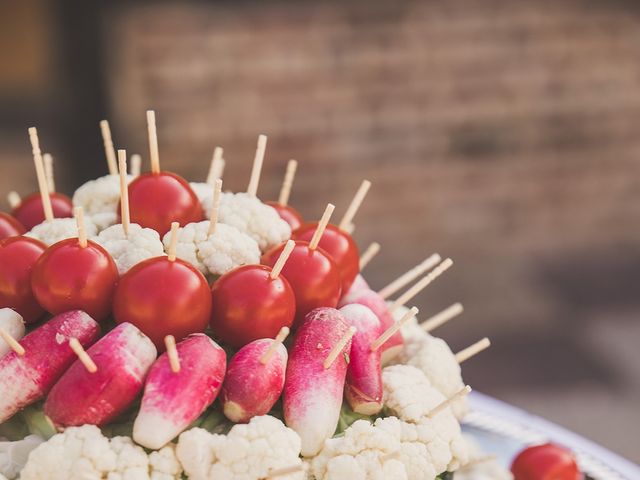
x=13, y=455
x=142, y=243
x=132, y=462
x=100, y=195
x=204, y=193
x=164, y=464
x=252, y=217
x=225, y=250
x=481, y=466
x=104, y=220
x=250, y=451
x=60, y=229
x=411, y=330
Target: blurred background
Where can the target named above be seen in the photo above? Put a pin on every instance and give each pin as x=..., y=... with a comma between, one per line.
x=503, y=134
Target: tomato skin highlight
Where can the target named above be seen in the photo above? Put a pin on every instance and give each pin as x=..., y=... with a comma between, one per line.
x=157, y=199
x=71, y=277
x=162, y=297
x=546, y=462
x=10, y=226
x=288, y=214
x=248, y=304
x=31, y=213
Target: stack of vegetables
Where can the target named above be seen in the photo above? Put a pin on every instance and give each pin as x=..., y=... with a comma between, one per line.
x=153, y=328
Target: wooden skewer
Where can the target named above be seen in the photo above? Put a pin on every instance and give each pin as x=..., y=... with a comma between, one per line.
x=322, y=225
x=335, y=351
x=42, y=179
x=173, y=242
x=124, y=192
x=269, y=352
x=282, y=259
x=12, y=342
x=153, y=142
x=78, y=212
x=136, y=165
x=214, y=166
x=421, y=285
x=257, y=166
x=83, y=356
x=463, y=392
x=442, y=317
x=409, y=276
x=350, y=228
x=278, y=472
x=172, y=353
x=14, y=199
x=109, y=149
x=473, y=350
x=289, y=175
x=215, y=206
x=48, y=171
x=389, y=332
x=371, y=251
x=355, y=204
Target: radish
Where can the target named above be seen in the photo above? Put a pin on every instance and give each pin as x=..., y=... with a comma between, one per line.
x=123, y=357
x=26, y=379
x=13, y=324
x=251, y=387
x=312, y=393
x=363, y=389
x=173, y=400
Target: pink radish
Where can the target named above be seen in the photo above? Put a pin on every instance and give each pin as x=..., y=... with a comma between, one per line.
x=11, y=323
x=363, y=389
x=123, y=357
x=312, y=393
x=251, y=387
x=26, y=379
x=173, y=400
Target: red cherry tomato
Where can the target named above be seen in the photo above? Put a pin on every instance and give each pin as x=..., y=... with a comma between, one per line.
x=340, y=246
x=71, y=277
x=545, y=462
x=313, y=275
x=18, y=256
x=162, y=298
x=248, y=304
x=156, y=200
x=9, y=226
x=288, y=214
x=30, y=212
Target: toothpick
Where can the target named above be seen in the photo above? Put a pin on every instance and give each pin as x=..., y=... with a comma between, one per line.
x=349, y=228
x=389, y=332
x=153, y=142
x=285, y=191
x=83, y=356
x=12, y=342
x=409, y=276
x=266, y=356
x=109, y=149
x=215, y=207
x=371, y=251
x=257, y=166
x=124, y=192
x=278, y=472
x=421, y=285
x=48, y=171
x=355, y=204
x=322, y=225
x=14, y=199
x=78, y=212
x=172, y=353
x=463, y=392
x=42, y=179
x=473, y=350
x=173, y=242
x=136, y=165
x=215, y=166
x=442, y=317
x=335, y=351
x=282, y=259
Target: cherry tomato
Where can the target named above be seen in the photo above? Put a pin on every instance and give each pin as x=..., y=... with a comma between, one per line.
x=288, y=214
x=545, y=462
x=9, y=226
x=18, y=255
x=71, y=277
x=30, y=212
x=156, y=200
x=313, y=275
x=163, y=297
x=248, y=304
x=340, y=246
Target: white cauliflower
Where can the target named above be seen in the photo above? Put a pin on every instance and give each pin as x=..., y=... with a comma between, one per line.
x=100, y=195
x=131, y=460
x=252, y=217
x=104, y=220
x=12, y=323
x=60, y=229
x=164, y=464
x=204, y=192
x=481, y=466
x=225, y=250
x=411, y=330
x=13, y=455
x=142, y=243
x=249, y=452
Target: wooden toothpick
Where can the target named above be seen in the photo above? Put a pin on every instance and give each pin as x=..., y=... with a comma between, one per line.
x=442, y=317
x=42, y=178
x=269, y=352
x=78, y=212
x=124, y=192
x=173, y=242
x=172, y=353
x=422, y=284
x=109, y=149
x=257, y=166
x=473, y=350
x=282, y=259
x=409, y=276
x=47, y=159
x=215, y=206
x=285, y=191
x=136, y=165
x=153, y=142
x=322, y=225
x=279, y=472
x=371, y=251
x=335, y=351
x=14, y=199
x=216, y=166
x=463, y=392
x=12, y=342
x=355, y=204
x=83, y=356
x=389, y=332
